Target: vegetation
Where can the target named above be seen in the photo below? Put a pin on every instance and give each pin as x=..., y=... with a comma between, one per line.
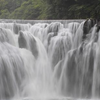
x=49, y=9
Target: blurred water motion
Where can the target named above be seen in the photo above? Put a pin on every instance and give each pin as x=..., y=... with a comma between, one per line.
x=50, y=61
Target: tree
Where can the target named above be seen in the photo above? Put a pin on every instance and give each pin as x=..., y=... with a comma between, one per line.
x=4, y=14
x=30, y=9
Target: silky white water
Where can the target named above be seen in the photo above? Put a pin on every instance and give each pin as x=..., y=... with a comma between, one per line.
x=50, y=61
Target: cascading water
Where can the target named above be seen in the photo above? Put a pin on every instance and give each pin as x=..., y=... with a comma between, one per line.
x=50, y=61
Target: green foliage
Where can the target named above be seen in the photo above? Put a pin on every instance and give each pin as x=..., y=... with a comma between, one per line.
x=25, y=11
x=74, y=9
x=5, y=14
x=49, y=9
x=30, y=9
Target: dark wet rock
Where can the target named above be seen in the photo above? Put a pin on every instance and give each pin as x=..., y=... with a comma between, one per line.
x=98, y=25
x=15, y=28
x=27, y=41
x=88, y=25
x=22, y=41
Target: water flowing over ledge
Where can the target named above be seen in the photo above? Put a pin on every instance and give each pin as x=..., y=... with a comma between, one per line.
x=40, y=21
x=49, y=60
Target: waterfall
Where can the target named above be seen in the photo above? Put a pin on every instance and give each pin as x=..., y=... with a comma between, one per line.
x=50, y=60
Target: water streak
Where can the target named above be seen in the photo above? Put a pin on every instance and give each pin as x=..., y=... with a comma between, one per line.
x=50, y=61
